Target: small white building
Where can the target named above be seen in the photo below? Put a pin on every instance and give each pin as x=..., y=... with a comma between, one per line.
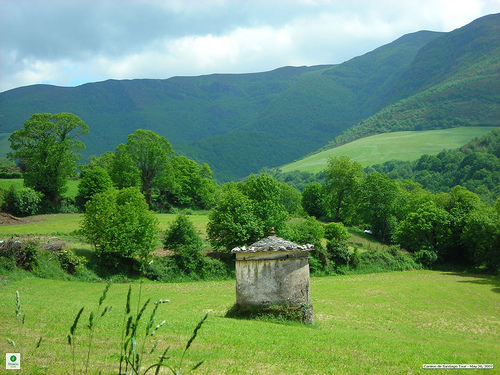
x=274, y=271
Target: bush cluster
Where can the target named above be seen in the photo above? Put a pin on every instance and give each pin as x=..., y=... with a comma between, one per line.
x=47, y=261
x=21, y=202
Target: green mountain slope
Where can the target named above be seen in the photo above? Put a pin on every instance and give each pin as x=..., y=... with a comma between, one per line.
x=236, y=123
x=315, y=108
x=453, y=81
x=242, y=122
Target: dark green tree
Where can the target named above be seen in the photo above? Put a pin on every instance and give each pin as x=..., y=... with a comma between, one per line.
x=95, y=180
x=343, y=177
x=48, y=150
x=233, y=222
x=313, y=200
x=148, y=153
x=481, y=237
x=377, y=205
x=459, y=203
x=426, y=228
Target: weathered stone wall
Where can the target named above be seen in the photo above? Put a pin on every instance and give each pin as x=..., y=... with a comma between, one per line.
x=280, y=279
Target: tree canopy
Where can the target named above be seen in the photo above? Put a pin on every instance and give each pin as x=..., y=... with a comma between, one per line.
x=47, y=150
x=120, y=226
x=145, y=156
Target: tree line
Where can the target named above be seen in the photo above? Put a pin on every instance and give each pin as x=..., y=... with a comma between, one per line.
x=119, y=191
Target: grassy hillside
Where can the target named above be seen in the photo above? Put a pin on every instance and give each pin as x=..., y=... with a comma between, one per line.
x=380, y=148
x=389, y=323
x=453, y=81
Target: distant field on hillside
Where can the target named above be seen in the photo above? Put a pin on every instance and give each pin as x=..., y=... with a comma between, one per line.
x=380, y=148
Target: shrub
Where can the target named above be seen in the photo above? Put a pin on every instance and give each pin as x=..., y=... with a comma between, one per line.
x=48, y=267
x=120, y=227
x=95, y=180
x=426, y=257
x=383, y=261
x=22, y=202
x=337, y=233
x=68, y=206
x=180, y=233
x=339, y=254
x=213, y=269
x=10, y=176
x=162, y=269
x=68, y=260
x=22, y=254
x=188, y=260
x=233, y=221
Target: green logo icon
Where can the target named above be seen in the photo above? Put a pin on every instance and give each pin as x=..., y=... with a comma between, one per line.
x=13, y=358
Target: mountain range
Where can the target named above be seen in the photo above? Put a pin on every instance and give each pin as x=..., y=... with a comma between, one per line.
x=240, y=123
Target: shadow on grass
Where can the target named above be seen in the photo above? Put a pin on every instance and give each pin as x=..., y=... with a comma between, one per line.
x=478, y=279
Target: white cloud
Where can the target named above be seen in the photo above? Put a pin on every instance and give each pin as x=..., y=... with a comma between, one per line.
x=72, y=42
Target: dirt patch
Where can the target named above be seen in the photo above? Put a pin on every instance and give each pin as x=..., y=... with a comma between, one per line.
x=8, y=219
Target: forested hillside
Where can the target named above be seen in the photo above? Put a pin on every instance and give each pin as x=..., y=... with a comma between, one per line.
x=475, y=166
x=241, y=123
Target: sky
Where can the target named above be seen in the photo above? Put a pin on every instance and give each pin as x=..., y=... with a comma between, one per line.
x=72, y=42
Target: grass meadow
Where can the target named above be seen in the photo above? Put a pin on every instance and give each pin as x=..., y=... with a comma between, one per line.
x=377, y=149
x=66, y=224
x=72, y=185
x=387, y=323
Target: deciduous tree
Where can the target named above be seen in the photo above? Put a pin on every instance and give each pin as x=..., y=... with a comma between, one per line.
x=95, y=180
x=150, y=154
x=377, y=204
x=48, y=149
x=265, y=194
x=233, y=222
x=120, y=226
x=313, y=200
x=342, y=180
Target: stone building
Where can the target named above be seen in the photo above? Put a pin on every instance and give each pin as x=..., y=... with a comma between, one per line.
x=274, y=271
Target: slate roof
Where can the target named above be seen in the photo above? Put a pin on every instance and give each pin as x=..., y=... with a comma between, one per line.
x=272, y=243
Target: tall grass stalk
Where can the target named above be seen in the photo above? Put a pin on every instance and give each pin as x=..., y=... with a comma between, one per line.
x=21, y=321
x=134, y=337
x=190, y=341
x=93, y=320
x=71, y=337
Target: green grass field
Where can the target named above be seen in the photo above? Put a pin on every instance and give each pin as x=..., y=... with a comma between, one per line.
x=65, y=224
x=380, y=148
x=389, y=323
x=72, y=185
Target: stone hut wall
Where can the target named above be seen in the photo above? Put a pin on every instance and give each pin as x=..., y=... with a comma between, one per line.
x=272, y=279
